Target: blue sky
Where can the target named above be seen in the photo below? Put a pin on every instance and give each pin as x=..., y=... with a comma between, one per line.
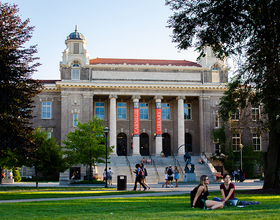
x=113, y=29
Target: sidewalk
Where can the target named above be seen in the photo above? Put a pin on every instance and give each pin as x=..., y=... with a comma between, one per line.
x=183, y=188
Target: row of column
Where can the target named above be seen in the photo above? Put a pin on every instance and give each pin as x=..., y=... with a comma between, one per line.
x=136, y=124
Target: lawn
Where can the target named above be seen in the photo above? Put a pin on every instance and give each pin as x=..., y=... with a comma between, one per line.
x=13, y=193
x=156, y=207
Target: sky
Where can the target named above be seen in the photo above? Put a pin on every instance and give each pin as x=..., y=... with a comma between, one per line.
x=113, y=29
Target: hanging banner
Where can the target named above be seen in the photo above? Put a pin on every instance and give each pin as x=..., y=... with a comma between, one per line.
x=158, y=119
x=136, y=129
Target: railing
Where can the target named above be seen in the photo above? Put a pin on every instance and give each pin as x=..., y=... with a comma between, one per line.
x=177, y=163
x=128, y=163
x=154, y=165
x=209, y=164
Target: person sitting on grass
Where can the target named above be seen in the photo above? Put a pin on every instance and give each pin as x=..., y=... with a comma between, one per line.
x=199, y=196
x=227, y=189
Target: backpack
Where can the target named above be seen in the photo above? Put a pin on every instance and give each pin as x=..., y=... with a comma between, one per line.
x=146, y=172
x=141, y=173
x=169, y=172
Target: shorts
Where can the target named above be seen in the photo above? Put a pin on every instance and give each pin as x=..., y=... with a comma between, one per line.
x=109, y=178
x=170, y=178
x=200, y=204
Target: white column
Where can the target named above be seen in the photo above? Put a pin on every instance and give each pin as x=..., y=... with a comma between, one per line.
x=158, y=141
x=181, y=125
x=136, y=128
x=113, y=123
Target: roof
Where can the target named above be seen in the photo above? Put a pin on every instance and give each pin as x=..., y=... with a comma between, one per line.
x=97, y=61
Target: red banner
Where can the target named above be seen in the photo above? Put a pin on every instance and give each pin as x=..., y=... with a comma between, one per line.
x=158, y=121
x=136, y=129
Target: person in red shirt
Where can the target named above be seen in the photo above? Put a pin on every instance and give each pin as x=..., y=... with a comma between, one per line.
x=228, y=190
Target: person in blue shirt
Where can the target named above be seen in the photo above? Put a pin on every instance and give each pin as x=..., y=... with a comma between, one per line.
x=138, y=179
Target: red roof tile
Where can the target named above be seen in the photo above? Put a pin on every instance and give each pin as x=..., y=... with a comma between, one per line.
x=142, y=62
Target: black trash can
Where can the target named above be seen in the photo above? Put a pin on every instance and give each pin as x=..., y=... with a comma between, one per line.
x=121, y=182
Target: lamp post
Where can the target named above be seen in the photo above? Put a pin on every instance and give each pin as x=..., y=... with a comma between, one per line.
x=106, y=131
x=241, y=147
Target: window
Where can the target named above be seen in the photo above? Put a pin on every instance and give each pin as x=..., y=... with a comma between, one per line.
x=187, y=111
x=121, y=110
x=76, y=70
x=143, y=111
x=257, y=142
x=236, y=142
x=99, y=110
x=49, y=134
x=75, y=122
x=46, y=110
x=235, y=116
x=165, y=111
x=217, y=124
x=75, y=74
x=255, y=113
x=215, y=75
x=76, y=48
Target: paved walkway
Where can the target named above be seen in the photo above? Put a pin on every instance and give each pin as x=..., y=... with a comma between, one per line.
x=183, y=188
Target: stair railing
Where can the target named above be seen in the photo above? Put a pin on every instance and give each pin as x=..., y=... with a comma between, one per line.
x=177, y=163
x=128, y=163
x=154, y=165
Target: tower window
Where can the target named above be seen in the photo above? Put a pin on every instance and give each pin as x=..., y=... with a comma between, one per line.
x=76, y=48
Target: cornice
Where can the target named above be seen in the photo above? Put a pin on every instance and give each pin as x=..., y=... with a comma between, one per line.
x=92, y=85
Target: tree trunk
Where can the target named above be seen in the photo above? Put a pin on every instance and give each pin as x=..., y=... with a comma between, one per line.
x=36, y=177
x=271, y=158
x=90, y=172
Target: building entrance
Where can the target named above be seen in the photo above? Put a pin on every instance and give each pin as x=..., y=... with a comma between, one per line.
x=144, y=144
x=166, y=144
x=188, y=142
x=121, y=144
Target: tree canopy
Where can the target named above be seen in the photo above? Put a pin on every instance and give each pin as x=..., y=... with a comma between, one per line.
x=249, y=29
x=17, y=88
x=86, y=145
x=47, y=157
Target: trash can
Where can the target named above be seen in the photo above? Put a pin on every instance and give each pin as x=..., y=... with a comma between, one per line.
x=121, y=182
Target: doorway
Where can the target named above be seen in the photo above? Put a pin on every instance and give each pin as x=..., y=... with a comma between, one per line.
x=144, y=144
x=122, y=144
x=166, y=144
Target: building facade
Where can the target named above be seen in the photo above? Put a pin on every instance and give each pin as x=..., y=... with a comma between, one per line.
x=149, y=105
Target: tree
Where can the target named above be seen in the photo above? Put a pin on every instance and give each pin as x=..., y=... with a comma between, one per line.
x=17, y=89
x=85, y=145
x=249, y=29
x=47, y=158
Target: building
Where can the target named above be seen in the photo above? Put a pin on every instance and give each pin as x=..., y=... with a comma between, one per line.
x=149, y=105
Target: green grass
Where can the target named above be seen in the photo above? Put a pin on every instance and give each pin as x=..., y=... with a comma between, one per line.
x=13, y=193
x=158, y=207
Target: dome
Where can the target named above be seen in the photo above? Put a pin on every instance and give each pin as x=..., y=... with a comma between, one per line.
x=76, y=35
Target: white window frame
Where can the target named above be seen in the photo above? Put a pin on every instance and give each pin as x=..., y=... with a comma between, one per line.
x=236, y=141
x=122, y=107
x=164, y=107
x=236, y=115
x=143, y=111
x=255, y=113
x=217, y=121
x=257, y=142
x=97, y=106
x=187, y=107
x=46, y=110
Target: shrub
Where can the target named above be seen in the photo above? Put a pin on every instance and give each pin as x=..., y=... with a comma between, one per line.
x=16, y=174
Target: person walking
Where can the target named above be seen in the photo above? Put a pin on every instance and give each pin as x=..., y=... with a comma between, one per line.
x=104, y=175
x=142, y=167
x=138, y=177
x=176, y=175
x=110, y=176
x=165, y=177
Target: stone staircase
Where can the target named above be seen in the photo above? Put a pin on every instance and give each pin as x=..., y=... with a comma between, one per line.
x=120, y=166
